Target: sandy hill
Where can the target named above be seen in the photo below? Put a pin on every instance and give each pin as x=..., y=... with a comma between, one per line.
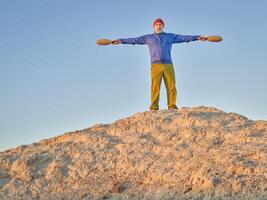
x=192, y=153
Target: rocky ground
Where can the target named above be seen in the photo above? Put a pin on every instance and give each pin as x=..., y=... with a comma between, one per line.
x=190, y=153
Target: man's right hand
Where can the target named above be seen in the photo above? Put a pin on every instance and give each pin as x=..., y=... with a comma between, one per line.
x=116, y=42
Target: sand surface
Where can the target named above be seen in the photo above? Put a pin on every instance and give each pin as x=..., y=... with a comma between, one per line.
x=190, y=153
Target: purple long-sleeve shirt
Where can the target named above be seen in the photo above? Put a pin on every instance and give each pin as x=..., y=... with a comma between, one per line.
x=160, y=44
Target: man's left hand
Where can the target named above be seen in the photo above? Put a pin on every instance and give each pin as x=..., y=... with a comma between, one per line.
x=202, y=38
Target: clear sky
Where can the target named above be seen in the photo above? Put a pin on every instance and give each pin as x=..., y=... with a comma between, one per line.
x=55, y=79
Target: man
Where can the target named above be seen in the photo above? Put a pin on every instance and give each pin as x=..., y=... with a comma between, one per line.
x=160, y=44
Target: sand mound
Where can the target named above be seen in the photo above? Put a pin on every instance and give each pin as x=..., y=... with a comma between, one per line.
x=192, y=153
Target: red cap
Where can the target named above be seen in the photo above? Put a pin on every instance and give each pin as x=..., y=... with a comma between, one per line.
x=158, y=20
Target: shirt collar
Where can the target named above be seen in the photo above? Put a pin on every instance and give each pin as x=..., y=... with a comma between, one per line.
x=159, y=33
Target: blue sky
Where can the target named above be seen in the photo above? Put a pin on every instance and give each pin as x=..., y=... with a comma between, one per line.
x=54, y=78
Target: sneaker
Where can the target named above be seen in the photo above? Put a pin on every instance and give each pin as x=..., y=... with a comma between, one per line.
x=173, y=108
x=153, y=108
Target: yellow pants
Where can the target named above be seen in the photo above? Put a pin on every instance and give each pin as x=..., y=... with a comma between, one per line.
x=165, y=71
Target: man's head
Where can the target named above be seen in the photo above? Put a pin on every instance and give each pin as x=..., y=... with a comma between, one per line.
x=158, y=25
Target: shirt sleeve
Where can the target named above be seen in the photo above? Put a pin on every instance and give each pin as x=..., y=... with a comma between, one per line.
x=138, y=40
x=184, y=38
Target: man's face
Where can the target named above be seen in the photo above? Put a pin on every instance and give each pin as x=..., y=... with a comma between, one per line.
x=158, y=27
